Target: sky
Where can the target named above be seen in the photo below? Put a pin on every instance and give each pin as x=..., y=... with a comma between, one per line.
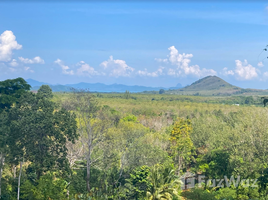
x=151, y=43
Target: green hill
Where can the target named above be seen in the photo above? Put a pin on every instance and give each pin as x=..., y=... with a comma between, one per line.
x=215, y=86
x=210, y=83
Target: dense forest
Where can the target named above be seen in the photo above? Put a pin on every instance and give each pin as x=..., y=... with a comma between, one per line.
x=83, y=145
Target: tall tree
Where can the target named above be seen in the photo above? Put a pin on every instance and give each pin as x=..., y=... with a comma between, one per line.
x=92, y=125
x=161, y=91
x=4, y=147
x=44, y=130
x=45, y=92
x=181, y=143
x=11, y=90
x=138, y=183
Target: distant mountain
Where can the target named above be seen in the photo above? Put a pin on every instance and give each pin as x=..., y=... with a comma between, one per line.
x=100, y=87
x=34, y=83
x=55, y=88
x=97, y=87
x=178, y=86
x=210, y=83
x=215, y=86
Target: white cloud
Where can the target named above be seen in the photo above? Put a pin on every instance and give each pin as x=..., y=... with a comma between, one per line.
x=14, y=68
x=85, y=69
x=28, y=69
x=182, y=63
x=13, y=63
x=156, y=73
x=117, y=68
x=265, y=75
x=245, y=71
x=227, y=72
x=35, y=60
x=65, y=68
x=161, y=60
x=260, y=64
x=8, y=43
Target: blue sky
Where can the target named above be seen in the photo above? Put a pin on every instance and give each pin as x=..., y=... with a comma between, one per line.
x=137, y=43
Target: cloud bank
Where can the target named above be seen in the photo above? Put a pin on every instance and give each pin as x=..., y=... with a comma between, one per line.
x=8, y=43
x=116, y=68
x=243, y=71
x=35, y=60
x=175, y=64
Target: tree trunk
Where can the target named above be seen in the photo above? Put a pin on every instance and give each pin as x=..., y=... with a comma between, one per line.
x=89, y=143
x=179, y=165
x=88, y=172
x=1, y=170
x=19, y=181
x=14, y=171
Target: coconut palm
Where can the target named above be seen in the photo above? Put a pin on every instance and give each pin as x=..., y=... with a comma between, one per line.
x=164, y=184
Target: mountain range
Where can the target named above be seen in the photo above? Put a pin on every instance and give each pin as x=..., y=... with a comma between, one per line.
x=207, y=86
x=98, y=87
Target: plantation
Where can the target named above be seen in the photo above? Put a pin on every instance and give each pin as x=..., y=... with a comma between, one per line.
x=83, y=145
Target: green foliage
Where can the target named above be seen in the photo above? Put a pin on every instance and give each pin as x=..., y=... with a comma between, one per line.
x=199, y=194
x=249, y=100
x=181, y=144
x=263, y=182
x=45, y=92
x=138, y=147
x=161, y=91
x=215, y=164
x=209, y=83
x=130, y=118
x=164, y=183
x=43, y=132
x=47, y=187
x=11, y=90
x=78, y=181
x=138, y=183
x=226, y=193
x=127, y=95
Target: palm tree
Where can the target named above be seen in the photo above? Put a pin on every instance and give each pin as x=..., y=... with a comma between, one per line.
x=164, y=184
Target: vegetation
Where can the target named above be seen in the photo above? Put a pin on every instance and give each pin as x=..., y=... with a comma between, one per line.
x=207, y=86
x=210, y=83
x=84, y=145
x=215, y=86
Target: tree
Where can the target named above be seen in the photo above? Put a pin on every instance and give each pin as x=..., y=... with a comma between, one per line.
x=262, y=182
x=200, y=194
x=249, y=100
x=138, y=183
x=215, y=164
x=4, y=147
x=45, y=92
x=92, y=125
x=49, y=186
x=161, y=91
x=43, y=131
x=265, y=100
x=11, y=90
x=164, y=183
x=127, y=95
x=181, y=143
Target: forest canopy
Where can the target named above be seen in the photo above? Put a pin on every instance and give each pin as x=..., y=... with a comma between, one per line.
x=84, y=145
